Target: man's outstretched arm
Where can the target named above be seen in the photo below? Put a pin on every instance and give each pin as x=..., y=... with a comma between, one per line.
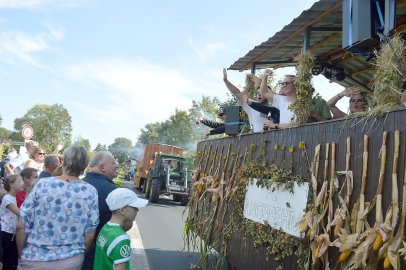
x=232, y=88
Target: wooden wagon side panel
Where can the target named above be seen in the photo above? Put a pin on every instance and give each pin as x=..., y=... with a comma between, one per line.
x=242, y=253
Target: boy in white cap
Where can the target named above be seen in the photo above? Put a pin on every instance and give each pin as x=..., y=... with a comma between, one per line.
x=113, y=249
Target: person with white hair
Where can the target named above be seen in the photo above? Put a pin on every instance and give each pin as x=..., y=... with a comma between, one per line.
x=51, y=162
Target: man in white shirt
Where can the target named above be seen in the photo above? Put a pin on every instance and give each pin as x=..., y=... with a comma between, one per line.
x=16, y=165
x=282, y=101
x=256, y=118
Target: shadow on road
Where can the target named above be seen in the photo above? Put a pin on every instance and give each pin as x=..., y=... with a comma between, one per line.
x=164, y=201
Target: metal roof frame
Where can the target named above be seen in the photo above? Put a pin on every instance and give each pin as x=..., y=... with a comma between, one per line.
x=318, y=29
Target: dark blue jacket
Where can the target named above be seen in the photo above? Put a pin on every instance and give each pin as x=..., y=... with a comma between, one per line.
x=44, y=174
x=104, y=186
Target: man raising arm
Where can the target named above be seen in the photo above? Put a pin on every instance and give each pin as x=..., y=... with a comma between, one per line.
x=256, y=118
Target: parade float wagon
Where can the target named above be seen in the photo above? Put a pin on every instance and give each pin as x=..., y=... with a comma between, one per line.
x=327, y=195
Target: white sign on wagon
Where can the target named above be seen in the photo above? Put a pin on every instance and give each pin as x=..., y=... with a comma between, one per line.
x=281, y=209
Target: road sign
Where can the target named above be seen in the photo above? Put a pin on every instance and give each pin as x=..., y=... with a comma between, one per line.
x=27, y=132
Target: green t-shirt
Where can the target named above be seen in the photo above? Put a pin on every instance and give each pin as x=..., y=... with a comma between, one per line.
x=112, y=247
x=320, y=107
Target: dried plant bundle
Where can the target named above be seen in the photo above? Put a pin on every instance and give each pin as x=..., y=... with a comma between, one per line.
x=302, y=105
x=387, y=82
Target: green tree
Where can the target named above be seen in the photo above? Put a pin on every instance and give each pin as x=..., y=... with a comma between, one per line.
x=181, y=128
x=83, y=142
x=150, y=134
x=121, y=149
x=51, y=123
x=207, y=108
x=178, y=130
x=4, y=133
x=15, y=136
x=100, y=147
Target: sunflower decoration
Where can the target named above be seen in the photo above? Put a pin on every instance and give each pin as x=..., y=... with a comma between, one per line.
x=275, y=147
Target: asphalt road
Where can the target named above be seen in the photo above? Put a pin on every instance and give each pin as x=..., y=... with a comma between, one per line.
x=161, y=227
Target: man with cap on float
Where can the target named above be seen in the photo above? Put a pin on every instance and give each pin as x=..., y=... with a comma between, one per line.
x=113, y=249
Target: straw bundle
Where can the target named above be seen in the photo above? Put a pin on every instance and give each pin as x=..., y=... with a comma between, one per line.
x=302, y=105
x=387, y=81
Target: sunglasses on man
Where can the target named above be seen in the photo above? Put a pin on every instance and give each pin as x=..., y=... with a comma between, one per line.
x=284, y=83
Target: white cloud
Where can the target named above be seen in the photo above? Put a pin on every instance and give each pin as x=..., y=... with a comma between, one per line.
x=55, y=30
x=129, y=94
x=23, y=46
x=208, y=51
x=34, y=4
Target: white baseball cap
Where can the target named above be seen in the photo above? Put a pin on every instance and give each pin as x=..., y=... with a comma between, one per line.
x=122, y=197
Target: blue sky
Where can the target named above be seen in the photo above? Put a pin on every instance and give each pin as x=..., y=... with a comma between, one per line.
x=118, y=65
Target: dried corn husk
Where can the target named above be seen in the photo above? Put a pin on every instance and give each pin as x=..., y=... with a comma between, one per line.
x=361, y=212
x=360, y=257
x=395, y=190
x=396, y=244
x=322, y=243
x=333, y=187
x=379, y=212
x=342, y=215
x=346, y=241
x=315, y=169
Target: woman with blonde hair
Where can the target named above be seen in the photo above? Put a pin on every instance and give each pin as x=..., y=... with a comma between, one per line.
x=36, y=159
x=358, y=102
x=58, y=218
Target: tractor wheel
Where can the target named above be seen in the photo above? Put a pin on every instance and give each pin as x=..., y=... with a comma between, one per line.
x=147, y=188
x=144, y=186
x=184, y=200
x=176, y=197
x=155, y=190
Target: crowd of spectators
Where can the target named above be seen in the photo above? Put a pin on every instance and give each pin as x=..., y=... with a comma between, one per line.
x=54, y=206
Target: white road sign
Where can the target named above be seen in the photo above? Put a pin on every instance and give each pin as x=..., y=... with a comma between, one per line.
x=27, y=132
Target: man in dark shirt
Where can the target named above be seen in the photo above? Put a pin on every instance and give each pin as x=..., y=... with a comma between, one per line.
x=103, y=168
x=51, y=162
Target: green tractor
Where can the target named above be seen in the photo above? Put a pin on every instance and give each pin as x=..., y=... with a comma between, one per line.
x=168, y=176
